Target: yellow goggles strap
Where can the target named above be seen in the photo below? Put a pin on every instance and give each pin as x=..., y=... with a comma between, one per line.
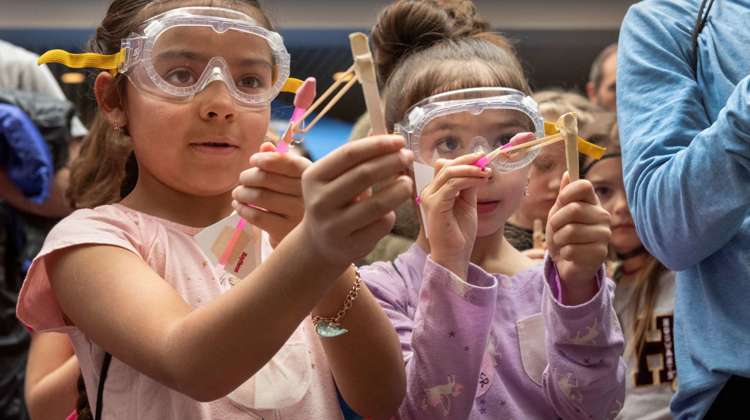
x=589, y=149
x=109, y=62
x=112, y=63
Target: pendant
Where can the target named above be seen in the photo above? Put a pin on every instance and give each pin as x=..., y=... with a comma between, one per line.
x=329, y=330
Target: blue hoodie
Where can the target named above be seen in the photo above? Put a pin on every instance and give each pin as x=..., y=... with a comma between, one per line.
x=686, y=158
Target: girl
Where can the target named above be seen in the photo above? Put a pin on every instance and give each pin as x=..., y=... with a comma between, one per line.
x=532, y=341
x=644, y=299
x=547, y=169
x=128, y=278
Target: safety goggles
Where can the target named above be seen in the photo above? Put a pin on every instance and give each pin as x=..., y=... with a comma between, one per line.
x=177, y=54
x=460, y=122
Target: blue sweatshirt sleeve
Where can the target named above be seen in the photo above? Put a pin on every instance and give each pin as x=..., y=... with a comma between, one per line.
x=687, y=178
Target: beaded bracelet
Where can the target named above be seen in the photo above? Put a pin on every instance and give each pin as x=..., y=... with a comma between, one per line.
x=331, y=326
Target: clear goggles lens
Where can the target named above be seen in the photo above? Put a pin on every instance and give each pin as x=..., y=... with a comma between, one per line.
x=180, y=57
x=461, y=124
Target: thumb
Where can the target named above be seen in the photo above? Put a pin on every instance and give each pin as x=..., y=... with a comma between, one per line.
x=565, y=181
x=267, y=147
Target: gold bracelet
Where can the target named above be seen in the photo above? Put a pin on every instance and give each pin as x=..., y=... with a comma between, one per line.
x=331, y=326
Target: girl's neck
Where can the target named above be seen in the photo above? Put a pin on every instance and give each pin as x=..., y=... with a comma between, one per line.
x=496, y=255
x=632, y=265
x=152, y=197
x=518, y=219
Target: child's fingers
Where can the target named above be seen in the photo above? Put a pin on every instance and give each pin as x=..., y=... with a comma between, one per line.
x=578, y=212
x=581, y=190
x=283, y=204
x=267, y=147
x=573, y=234
x=451, y=190
x=369, y=235
x=378, y=205
x=342, y=190
x=458, y=171
x=287, y=164
x=258, y=178
x=586, y=255
x=521, y=138
x=353, y=154
x=269, y=222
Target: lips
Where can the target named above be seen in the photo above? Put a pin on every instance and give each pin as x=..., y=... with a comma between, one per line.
x=215, y=146
x=484, y=207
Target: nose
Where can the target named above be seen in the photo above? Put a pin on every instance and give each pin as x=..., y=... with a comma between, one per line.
x=216, y=103
x=620, y=205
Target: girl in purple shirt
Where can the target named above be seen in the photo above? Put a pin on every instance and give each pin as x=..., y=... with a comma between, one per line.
x=485, y=332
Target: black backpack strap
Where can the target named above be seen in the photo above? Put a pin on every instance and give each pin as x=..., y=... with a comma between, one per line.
x=100, y=391
x=700, y=22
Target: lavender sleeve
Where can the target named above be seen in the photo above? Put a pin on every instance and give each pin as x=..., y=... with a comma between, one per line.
x=443, y=342
x=585, y=375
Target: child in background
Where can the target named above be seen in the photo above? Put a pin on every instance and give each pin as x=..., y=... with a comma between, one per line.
x=644, y=297
x=547, y=169
x=126, y=278
x=485, y=332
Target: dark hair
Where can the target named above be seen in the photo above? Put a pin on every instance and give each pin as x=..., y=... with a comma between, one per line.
x=595, y=75
x=99, y=175
x=425, y=47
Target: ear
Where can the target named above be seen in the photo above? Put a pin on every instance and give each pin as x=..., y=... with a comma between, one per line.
x=591, y=91
x=109, y=101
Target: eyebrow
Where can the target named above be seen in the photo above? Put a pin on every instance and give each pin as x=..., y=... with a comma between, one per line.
x=191, y=55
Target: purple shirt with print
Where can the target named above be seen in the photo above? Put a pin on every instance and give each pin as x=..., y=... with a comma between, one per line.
x=500, y=347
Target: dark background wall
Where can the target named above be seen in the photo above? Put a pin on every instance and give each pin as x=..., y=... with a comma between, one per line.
x=557, y=40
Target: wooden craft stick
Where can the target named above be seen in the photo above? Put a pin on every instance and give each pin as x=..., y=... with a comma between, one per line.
x=349, y=77
x=538, y=235
x=529, y=144
x=568, y=125
x=365, y=70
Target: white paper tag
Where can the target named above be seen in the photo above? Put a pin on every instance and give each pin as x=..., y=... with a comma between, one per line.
x=245, y=254
x=423, y=175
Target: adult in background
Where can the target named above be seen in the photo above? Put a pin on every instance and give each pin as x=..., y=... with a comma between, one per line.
x=601, y=85
x=684, y=115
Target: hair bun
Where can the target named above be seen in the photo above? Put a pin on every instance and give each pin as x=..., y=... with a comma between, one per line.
x=411, y=25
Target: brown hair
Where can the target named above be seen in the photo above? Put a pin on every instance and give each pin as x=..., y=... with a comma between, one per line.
x=425, y=47
x=99, y=175
x=646, y=282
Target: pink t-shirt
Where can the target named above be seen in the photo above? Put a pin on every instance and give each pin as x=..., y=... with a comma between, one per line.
x=170, y=250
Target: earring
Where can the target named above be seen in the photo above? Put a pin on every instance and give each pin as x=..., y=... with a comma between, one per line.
x=116, y=126
x=526, y=189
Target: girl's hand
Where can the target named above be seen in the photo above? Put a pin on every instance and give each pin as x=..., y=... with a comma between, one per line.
x=578, y=231
x=450, y=204
x=535, y=254
x=342, y=221
x=270, y=192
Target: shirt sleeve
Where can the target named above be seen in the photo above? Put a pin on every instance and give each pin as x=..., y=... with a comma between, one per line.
x=585, y=375
x=686, y=177
x=443, y=344
x=37, y=306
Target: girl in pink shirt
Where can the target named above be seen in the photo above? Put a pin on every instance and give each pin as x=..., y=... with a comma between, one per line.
x=124, y=275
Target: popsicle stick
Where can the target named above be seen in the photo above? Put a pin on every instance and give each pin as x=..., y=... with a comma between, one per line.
x=529, y=144
x=538, y=235
x=568, y=125
x=347, y=76
x=365, y=70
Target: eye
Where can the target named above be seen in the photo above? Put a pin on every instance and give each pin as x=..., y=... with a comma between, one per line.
x=180, y=77
x=603, y=192
x=447, y=146
x=544, y=165
x=251, y=82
